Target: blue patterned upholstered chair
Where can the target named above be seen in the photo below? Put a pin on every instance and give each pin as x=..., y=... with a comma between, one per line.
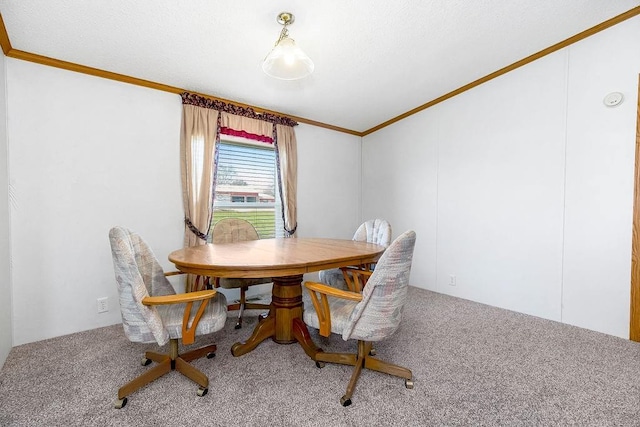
x=370, y=316
x=153, y=312
x=231, y=230
x=376, y=231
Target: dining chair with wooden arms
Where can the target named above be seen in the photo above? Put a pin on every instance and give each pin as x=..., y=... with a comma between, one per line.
x=370, y=316
x=153, y=312
x=231, y=230
x=376, y=231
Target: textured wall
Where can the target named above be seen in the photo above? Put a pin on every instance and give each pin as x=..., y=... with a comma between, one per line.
x=5, y=272
x=89, y=153
x=522, y=187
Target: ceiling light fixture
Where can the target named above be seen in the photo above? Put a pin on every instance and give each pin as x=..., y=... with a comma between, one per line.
x=286, y=61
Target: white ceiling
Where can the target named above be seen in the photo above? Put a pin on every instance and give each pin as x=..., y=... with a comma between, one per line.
x=374, y=59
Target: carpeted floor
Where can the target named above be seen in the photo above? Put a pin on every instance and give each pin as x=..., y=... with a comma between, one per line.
x=472, y=365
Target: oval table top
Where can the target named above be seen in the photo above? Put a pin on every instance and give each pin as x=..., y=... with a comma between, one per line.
x=273, y=257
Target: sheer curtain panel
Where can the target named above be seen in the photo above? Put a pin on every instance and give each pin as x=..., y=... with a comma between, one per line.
x=287, y=156
x=198, y=141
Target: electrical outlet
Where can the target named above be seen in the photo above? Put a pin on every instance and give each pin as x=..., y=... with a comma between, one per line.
x=452, y=280
x=103, y=305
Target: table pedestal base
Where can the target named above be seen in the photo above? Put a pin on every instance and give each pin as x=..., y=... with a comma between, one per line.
x=284, y=323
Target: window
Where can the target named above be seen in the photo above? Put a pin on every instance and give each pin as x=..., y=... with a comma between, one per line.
x=246, y=187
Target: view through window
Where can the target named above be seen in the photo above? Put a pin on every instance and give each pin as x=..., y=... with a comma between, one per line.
x=246, y=187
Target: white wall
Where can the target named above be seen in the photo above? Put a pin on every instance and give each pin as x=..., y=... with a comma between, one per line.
x=328, y=183
x=600, y=180
x=522, y=187
x=5, y=272
x=87, y=154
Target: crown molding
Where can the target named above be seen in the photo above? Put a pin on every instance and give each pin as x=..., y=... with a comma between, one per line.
x=10, y=52
x=571, y=40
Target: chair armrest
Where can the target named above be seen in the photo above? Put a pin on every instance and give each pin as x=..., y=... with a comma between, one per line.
x=322, y=304
x=199, y=282
x=331, y=291
x=173, y=273
x=188, y=331
x=355, y=277
x=366, y=273
x=179, y=298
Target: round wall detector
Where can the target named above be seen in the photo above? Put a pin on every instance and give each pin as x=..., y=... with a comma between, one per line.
x=613, y=99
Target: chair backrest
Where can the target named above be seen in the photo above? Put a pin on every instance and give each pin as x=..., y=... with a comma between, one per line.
x=138, y=274
x=379, y=313
x=376, y=231
x=231, y=230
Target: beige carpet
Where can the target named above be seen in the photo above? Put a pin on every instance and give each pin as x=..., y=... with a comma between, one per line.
x=473, y=365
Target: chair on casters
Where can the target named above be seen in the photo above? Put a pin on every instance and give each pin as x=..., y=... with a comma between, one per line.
x=376, y=231
x=231, y=230
x=370, y=316
x=153, y=312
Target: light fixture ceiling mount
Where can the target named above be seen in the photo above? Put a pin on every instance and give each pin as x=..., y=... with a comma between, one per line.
x=286, y=61
x=285, y=18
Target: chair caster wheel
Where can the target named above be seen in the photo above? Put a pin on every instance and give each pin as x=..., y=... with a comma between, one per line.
x=145, y=361
x=202, y=391
x=234, y=348
x=345, y=401
x=408, y=384
x=320, y=364
x=372, y=352
x=238, y=326
x=120, y=403
x=211, y=355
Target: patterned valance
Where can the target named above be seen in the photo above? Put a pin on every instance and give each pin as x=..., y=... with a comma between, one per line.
x=246, y=127
x=201, y=101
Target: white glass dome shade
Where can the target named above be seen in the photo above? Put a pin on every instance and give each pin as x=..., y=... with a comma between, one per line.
x=287, y=61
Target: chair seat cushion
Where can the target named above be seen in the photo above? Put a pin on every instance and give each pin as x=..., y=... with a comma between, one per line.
x=340, y=311
x=213, y=319
x=230, y=283
x=333, y=277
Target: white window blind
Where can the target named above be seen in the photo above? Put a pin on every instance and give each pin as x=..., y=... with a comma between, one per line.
x=246, y=187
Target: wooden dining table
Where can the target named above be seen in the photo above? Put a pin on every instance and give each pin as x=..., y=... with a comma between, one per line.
x=285, y=260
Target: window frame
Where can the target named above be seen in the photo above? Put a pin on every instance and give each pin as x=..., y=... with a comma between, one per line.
x=276, y=206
